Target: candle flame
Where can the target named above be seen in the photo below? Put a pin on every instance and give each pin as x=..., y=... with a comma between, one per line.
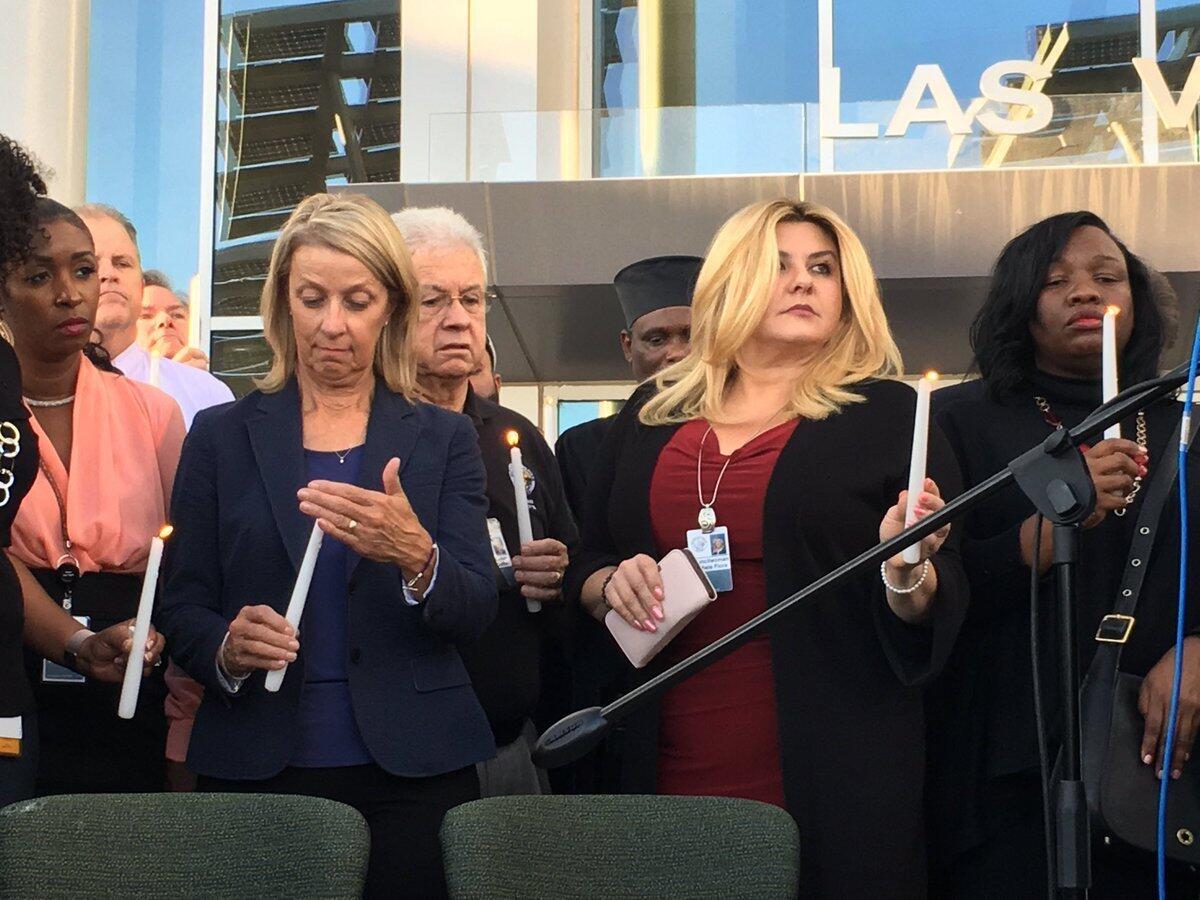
x=165, y=531
x=1113, y=311
x=512, y=437
x=932, y=375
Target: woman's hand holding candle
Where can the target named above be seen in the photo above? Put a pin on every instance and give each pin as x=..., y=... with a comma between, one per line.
x=377, y=525
x=900, y=572
x=259, y=638
x=103, y=655
x=539, y=569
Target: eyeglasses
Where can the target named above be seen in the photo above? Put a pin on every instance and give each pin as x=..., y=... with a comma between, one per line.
x=475, y=303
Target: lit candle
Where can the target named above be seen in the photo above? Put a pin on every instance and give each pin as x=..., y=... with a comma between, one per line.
x=916, y=467
x=295, y=608
x=1110, y=387
x=141, y=627
x=516, y=471
x=155, y=365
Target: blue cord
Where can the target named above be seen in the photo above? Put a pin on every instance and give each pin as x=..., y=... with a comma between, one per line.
x=1173, y=711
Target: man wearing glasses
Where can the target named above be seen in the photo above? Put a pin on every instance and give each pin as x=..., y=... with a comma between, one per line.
x=506, y=663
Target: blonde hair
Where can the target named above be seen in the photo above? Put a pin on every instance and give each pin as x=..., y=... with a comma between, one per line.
x=731, y=298
x=358, y=226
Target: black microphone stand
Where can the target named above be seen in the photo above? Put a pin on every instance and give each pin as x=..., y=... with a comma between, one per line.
x=1055, y=478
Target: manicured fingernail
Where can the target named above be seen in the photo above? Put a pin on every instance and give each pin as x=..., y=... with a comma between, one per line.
x=658, y=592
x=1147, y=759
x=149, y=656
x=650, y=626
x=658, y=613
x=1175, y=775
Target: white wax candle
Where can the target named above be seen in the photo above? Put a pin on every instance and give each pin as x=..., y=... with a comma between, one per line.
x=516, y=471
x=155, y=366
x=916, y=466
x=1109, y=370
x=295, y=608
x=132, y=683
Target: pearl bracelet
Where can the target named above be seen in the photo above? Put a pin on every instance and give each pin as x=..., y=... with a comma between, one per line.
x=907, y=590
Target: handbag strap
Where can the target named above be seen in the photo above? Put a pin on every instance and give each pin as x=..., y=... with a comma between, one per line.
x=1136, y=564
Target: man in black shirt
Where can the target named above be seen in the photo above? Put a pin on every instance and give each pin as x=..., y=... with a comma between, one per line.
x=506, y=664
x=655, y=296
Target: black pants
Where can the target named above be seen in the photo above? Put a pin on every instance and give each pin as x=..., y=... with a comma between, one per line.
x=85, y=747
x=1011, y=861
x=404, y=815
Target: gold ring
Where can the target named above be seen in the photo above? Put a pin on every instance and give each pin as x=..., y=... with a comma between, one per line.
x=351, y=525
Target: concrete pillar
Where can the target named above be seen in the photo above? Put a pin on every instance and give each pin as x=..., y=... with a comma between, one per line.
x=44, y=101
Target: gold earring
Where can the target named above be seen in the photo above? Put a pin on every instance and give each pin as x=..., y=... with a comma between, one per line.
x=5, y=331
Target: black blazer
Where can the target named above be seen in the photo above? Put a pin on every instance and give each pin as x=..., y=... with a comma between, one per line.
x=846, y=668
x=239, y=537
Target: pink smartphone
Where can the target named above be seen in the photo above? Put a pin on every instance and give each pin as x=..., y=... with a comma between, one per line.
x=686, y=591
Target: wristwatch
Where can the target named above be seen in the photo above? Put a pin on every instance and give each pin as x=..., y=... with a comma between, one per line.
x=74, y=645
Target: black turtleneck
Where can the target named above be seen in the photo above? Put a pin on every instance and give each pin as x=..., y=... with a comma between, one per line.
x=981, y=712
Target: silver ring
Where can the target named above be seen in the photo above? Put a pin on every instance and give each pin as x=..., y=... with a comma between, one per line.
x=351, y=525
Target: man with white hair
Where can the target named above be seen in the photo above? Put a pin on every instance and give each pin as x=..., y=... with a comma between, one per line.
x=120, y=307
x=506, y=664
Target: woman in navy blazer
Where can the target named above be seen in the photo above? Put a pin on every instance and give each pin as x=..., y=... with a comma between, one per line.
x=376, y=709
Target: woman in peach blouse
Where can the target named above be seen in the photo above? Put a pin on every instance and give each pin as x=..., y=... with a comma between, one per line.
x=108, y=451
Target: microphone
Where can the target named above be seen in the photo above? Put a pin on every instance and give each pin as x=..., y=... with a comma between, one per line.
x=571, y=738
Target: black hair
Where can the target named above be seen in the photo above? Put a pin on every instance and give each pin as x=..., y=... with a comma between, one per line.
x=1000, y=336
x=21, y=184
x=47, y=211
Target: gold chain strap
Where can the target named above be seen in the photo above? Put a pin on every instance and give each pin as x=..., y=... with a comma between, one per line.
x=1043, y=406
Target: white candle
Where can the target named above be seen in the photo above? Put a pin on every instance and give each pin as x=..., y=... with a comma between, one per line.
x=516, y=471
x=1109, y=370
x=132, y=683
x=916, y=466
x=155, y=365
x=295, y=607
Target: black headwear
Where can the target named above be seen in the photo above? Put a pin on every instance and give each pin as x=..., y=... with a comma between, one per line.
x=656, y=283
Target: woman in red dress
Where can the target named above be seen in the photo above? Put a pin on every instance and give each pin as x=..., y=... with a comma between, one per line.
x=777, y=441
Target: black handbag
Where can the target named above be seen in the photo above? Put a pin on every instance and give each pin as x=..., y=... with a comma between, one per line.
x=1122, y=792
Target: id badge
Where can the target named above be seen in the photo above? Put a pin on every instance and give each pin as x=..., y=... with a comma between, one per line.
x=712, y=552
x=500, y=552
x=53, y=673
x=10, y=736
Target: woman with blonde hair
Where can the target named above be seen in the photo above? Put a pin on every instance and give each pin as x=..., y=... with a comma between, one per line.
x=376, y=709
x=778, y=438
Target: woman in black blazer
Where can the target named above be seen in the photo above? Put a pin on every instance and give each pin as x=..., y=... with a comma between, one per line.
x=376, y=709
x=824, y=716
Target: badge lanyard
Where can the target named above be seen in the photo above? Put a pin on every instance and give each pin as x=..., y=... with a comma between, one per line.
x=710, y=543
x=67, y=567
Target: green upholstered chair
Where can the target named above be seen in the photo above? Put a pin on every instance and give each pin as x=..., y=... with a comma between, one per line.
x=181, y=845
x=620, y=846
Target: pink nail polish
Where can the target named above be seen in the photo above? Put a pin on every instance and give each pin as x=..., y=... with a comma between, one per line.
x=1147, y=759
x=658, y=613
x=658, y=593
x=651, y=627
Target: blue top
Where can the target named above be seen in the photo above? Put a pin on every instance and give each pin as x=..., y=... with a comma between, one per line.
x=328, y=734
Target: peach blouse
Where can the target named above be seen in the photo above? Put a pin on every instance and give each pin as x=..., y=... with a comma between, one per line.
x=124, y=452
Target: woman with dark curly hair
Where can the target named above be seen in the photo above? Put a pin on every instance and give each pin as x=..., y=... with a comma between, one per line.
x=1037, y=345
x=48, y=296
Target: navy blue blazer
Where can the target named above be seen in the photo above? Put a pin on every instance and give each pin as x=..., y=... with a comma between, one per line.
x=239, y=538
